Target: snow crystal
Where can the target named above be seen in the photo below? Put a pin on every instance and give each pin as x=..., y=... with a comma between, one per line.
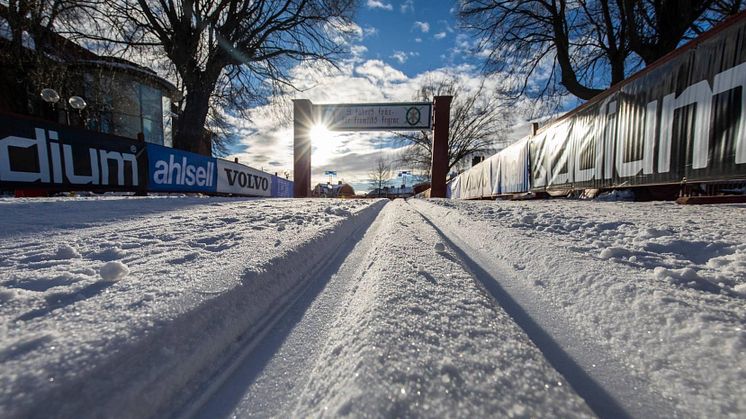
x=113, y=271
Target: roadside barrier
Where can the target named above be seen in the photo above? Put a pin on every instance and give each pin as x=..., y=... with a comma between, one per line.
x=681, y=120
x=38, y=155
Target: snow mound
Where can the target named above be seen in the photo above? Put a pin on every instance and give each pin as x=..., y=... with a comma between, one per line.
x=113, y=271
x=65, y=251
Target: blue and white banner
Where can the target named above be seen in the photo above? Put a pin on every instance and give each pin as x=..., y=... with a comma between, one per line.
x=171, y=170
x=40, y=154
x=281, y=188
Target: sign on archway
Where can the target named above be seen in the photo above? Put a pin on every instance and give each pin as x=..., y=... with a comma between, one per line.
x=376, y=117
x=415, y=116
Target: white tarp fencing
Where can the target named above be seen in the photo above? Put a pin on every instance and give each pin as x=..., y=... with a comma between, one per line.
x=505, y=172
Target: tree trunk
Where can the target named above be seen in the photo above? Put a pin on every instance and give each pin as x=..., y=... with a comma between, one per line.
x=569, y=78
x=191, y=134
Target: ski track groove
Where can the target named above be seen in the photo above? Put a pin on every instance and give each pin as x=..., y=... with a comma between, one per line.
x=259, y=372
x=250, y=376
x=595, y=375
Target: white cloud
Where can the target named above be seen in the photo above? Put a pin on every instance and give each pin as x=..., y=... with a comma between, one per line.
x=358, y=49
x=378, y=4
x=344, y=32
x=400, y=56
x=422, y=26
x=407, y=6
x=418, y=40
x=379, y=72
x=440, y=35
x=369, y=31
x=357, y=52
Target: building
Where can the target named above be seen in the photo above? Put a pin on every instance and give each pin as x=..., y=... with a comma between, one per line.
x=80, y=88
x=327, y=190
x=391, y=192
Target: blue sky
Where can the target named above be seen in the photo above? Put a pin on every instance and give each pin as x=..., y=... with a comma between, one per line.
x=413, y=35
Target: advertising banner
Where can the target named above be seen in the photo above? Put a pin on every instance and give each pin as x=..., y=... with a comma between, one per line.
x=684, y=120
x=171, y=170
x=681, y=120
x=281, y=188
x=237, y=179
x=512, y=169
x=36, y=153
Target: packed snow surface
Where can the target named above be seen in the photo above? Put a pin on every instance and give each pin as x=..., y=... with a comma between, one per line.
x=160, y=306
x=127, y=299
x=658, y=285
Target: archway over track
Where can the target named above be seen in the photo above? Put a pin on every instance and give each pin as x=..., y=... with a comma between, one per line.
x=371, y=117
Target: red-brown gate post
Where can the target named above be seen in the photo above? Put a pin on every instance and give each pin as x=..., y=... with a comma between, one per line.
x=302, y=122
x=441, y=125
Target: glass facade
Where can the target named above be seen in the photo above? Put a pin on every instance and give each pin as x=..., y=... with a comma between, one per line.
x=122, y=104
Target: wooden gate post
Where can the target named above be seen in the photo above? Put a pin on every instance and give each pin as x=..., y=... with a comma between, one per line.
x=441, y=125
x=302, y=122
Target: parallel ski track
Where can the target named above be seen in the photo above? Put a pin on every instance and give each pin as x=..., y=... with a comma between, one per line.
x=235, y=379
x=595, y=375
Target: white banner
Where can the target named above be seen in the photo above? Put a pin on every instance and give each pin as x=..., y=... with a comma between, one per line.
x=376, y=117
x=243, y=180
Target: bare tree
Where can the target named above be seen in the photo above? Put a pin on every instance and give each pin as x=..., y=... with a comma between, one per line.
x=656, y=27
x=549, y=47
x=32, y=25
x=230, y=54
x=380, y=175
x=478, y=124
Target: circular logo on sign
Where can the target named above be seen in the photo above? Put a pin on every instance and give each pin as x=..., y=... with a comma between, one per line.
x=413, y=116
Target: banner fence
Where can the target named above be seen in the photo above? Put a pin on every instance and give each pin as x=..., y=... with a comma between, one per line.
x=681, y=120
x=37, y=154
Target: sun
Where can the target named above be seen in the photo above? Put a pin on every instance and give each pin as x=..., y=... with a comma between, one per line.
x=323, y=144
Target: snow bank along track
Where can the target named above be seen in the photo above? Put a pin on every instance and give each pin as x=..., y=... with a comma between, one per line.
x=149, y=371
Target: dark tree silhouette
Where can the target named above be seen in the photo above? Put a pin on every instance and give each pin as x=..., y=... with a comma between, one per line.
x=380, y=175
x=228, y=53
x=549, y=47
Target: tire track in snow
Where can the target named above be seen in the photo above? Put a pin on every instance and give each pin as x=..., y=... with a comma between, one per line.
x=597, y=377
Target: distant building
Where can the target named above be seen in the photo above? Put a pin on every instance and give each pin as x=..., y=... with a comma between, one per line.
x=327, y=190
x=391, y=192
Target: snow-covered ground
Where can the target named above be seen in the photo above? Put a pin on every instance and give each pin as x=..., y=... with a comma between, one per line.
x=162, y=306
x=111, y=307
x=658, y=286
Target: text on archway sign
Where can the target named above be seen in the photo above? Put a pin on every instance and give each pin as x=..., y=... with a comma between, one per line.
x=376, y=117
